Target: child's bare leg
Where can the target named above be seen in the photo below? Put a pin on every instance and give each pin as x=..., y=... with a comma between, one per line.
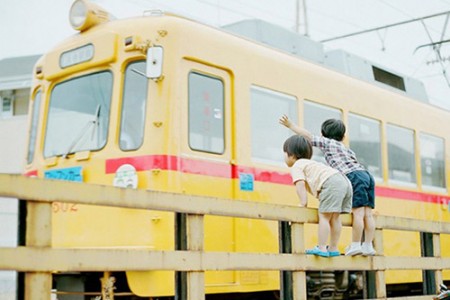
x=369, y=233
x=369, y=225
x=335, y=231
x=358, y=224
x=324, y=230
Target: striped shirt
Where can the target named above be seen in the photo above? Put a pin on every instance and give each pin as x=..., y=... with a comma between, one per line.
x=337, y=155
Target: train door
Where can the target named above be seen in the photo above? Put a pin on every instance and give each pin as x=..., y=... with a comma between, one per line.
x=207, y=153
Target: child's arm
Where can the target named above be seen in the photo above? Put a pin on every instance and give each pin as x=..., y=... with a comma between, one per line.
x=301, y=192
x=284, y=120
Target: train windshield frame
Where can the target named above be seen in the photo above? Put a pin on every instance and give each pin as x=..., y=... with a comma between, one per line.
x=78, y=114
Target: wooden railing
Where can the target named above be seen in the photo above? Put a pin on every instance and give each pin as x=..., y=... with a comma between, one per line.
x=38, y=259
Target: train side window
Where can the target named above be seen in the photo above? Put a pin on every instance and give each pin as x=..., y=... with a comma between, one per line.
x=401, y=161
x=267, y=135
x=432, y=161
x=134, y=104
x=313, y=116
x=206, y=113
x=365, y=140
x=33, y=127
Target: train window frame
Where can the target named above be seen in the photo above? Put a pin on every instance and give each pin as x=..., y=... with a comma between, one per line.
x=217, y=113
x=95, y=113
x=317, y=129
x=34, y=123
x=125, y=136
x=429, y=187
x=405, y=130
x=378, y=176
x=260, y=124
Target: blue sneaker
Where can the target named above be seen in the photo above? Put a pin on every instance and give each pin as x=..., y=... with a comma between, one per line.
x=316, y=251
x=333, y=253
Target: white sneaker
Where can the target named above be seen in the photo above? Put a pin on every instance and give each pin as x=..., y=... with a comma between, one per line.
x=368, y=250
x=353, y=249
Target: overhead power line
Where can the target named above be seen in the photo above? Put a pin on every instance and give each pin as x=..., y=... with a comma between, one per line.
x=384, y=27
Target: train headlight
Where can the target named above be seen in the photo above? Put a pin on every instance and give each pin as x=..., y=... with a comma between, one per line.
x=78, y=14
x=83, y=15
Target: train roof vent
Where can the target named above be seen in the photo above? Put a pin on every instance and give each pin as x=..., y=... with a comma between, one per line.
x=279, y=37
x=361, y=68
x=388, y=78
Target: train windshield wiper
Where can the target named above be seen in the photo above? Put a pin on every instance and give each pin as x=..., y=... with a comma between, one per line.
x=90, y=123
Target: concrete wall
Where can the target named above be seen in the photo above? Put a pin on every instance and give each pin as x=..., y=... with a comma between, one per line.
x=13, y=142
x=8, y=238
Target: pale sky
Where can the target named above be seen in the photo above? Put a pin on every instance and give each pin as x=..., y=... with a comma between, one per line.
x=34, y=26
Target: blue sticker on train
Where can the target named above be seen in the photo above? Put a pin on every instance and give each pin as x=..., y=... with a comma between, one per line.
x=69, y=174
x=246, y=181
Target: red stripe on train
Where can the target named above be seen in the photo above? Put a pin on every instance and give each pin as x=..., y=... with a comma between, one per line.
x=33, y=173
x=217, y=169
x=411, y=195
x=193, y=166
x=171, y=163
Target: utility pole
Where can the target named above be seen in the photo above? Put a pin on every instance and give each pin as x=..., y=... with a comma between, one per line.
x=301, y=17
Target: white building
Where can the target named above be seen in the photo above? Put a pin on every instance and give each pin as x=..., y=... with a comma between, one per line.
x=15, y=82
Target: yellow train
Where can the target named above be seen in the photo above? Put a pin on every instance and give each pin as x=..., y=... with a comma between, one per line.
x=164, y=103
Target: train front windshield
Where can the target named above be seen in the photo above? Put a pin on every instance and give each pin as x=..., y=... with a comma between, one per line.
x=78, y=115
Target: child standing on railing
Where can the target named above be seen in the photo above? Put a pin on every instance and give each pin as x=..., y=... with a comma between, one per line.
x=344, y=160
x=332, y=188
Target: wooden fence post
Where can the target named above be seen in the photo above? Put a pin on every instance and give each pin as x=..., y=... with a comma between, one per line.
x=180, y=244
x=380, y=281
x=437, y=253
x=38, y=285
x=285, y=246
x=195, y=279
x=298, y=246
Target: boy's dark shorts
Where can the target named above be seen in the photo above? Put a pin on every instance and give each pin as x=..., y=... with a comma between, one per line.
x=363, y=186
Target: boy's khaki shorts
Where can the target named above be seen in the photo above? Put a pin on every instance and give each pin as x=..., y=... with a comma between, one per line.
x=336, y=195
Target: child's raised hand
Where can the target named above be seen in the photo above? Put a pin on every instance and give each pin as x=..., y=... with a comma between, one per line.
x=284, y=120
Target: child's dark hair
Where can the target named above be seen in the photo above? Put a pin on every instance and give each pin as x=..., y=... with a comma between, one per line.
x=333, y=129
x=298, y=146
